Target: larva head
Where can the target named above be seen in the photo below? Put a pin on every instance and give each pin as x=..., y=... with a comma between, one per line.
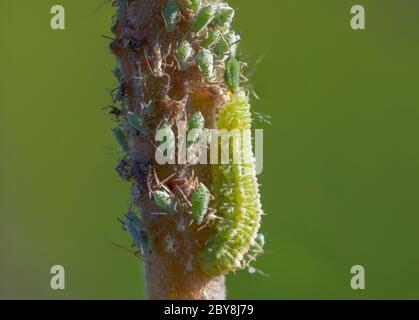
x=183, y=53
x=232, y=74
x=205, y=62
x=200, y=201
x=163, y=200
x=170, y=15
x=136, y=122
x=121, y=139
x=203, y=18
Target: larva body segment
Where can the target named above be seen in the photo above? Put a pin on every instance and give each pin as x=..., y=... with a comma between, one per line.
x=238, y=200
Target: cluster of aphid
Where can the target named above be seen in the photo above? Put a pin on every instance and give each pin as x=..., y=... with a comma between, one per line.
x=209, y=46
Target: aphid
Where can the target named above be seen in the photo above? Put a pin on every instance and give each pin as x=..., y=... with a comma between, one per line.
x=238, y=200
x=120, y=137
x=170, y=15
x=139, y=237
x=194, y=5
x=200, y=201
x=183, y=53
x=165, y=201
x=117, y=72
x=196, y=123
x=213, y=36
x=137, y=123
x=203, y=18
x=227, y=45
x=232, y=74
x=205, y=62
x=225, y=15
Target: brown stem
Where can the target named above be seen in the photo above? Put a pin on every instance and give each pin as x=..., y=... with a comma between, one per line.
x=153, y=86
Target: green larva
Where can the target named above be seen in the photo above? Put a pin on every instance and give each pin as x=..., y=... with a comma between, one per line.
x=200, y=201
x=238, y=200
x=170, y=15
x=205, y=62
x=164, y=201
x=183, y=53
x=120, y=137
x=196, y=124
x=137, y=123
x=232, y=74
x=203, y=18
x=255, y=249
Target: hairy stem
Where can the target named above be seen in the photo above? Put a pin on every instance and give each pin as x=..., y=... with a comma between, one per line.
x=153, y=86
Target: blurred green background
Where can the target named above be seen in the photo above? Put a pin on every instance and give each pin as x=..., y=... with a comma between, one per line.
x=341, y=170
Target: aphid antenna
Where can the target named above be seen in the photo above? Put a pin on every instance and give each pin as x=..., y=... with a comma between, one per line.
x=107, y=37
x=252, y=69
x=135, y=253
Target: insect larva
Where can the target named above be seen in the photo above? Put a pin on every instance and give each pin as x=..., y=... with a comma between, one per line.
x=196, y=124
x=238, y=199
x=203, y=18
x=120, y=137
x=255, y=249
x=137, y=123
x=205, y=62
x=232, y=74
x=165, y=201
x=200, y=201
x=183, y=53
x=139, y=237
x=170, y=15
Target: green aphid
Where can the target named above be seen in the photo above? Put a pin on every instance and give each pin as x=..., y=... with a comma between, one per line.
x=225, y=15
x=163, y=200
x=137, y=123
x=227, y=45
x=232, y=74
x=170, y=15
x=203, y=18
x=196, y=124
x=194, y=5
x=120, y=137
x=200, y=201
x=183, y=53
x=213, y=36
x=205, y=62
x=117, y=72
